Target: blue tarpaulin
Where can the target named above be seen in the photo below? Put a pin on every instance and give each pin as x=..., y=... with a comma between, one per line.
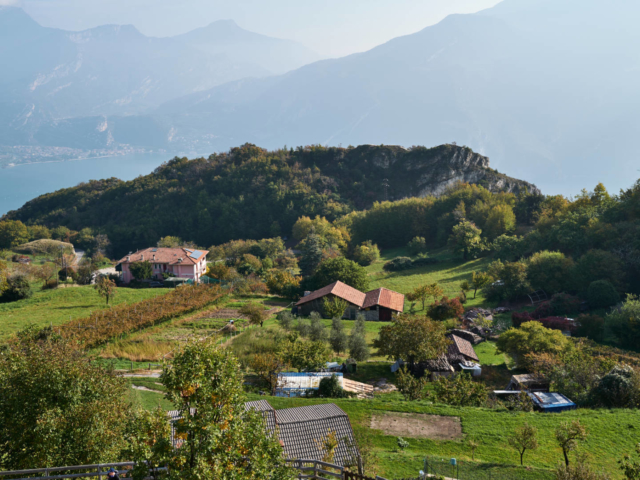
x=551, y=402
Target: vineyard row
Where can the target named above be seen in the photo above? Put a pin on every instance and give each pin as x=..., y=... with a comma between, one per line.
x=99, y=327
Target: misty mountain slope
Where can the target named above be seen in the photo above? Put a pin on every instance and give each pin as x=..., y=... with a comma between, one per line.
x=272, y=54
x=115, y=70
x=541, y=93
x=546, y=89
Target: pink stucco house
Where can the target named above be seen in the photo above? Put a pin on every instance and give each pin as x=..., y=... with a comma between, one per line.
x=182, y=262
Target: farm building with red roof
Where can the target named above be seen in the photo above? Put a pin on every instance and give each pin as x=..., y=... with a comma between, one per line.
x=379, y=304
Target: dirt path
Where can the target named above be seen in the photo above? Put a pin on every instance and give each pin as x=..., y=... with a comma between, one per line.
x=136, y=387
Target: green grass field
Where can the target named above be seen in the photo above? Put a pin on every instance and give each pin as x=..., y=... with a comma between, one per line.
x=449, y=273
x=56, y=307
x=612, y=433
x=152, y=344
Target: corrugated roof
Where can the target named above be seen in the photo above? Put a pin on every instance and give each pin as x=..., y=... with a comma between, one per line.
x=339, y=289
x=385, y=298
x=463, y=347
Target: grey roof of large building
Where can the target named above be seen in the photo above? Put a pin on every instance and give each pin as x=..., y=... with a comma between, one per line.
x=303, y=430
x=267, y=411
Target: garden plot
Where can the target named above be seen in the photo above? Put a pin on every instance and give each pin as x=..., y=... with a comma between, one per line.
x=417, y=425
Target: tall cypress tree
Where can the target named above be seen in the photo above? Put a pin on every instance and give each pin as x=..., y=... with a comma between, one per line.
x=338, y=337
x=312, y=251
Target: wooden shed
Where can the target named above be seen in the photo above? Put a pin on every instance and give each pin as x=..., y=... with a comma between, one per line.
x=380, y=304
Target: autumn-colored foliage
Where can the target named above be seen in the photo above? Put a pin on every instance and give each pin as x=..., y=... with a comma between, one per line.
x=99, y=327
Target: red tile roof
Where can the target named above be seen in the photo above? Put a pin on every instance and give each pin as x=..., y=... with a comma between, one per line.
x=339, y=289
x=460, y=346
x=385, y=298
x=169, y=256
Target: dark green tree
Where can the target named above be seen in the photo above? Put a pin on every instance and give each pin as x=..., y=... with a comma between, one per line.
x=317, y=330
x=412, y=338
x=333, y=269
x=337, y=336
x=358, y=347
x=312, y=254
x=18, y=288
x=602, y=294
x=465, y=239
x=141, y=270
x=13, y=233
x=550, y=271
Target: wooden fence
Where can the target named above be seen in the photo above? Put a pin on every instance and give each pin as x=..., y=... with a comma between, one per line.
x=101, y=470
x=309, y=470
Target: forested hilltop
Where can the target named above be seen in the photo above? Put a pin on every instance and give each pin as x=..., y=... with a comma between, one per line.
x=250, y=192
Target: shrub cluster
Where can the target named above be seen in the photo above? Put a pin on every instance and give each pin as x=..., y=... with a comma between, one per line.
x=445, y=309
x=553, y=323
x=405, y=263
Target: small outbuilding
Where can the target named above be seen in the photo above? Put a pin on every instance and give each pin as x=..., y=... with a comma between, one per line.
x=380, y=304
x=293, y=384
x=551, y=402
x=528, y=382
x=460, y=346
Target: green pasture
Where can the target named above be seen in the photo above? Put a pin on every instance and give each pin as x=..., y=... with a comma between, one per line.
x=61, y=305
x=449, y=273
x=612, y=433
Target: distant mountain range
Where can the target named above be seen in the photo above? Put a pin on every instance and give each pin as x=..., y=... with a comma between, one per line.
x=546, y=88
x=51, y=78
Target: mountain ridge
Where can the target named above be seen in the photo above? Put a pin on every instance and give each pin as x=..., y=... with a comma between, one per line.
x=114, y=70
x=250, y=192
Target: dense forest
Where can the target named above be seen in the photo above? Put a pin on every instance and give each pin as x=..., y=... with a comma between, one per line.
x=250, y=192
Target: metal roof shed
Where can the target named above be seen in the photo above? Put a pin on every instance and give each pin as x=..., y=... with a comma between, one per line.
x=551, y=402
x=292, y=384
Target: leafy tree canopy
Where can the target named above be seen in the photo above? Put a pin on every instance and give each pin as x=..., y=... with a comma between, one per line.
x=57, y=408
x=412, y=338
x=531, y=338
x=342, y=269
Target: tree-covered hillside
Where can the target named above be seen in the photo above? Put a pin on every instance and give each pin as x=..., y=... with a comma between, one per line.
x=250, y=192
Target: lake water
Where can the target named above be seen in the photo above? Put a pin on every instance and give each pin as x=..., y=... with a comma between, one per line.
x=24, y=182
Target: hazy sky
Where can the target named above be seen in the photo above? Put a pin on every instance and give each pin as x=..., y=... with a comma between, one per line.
x=330, y=27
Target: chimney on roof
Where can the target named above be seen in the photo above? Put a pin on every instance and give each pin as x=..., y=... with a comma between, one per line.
x=180, y=260
x=142, y=258
x=154, y=257
x=128, y=258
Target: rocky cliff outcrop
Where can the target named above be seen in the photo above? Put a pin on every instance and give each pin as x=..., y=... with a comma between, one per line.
x=387, y=172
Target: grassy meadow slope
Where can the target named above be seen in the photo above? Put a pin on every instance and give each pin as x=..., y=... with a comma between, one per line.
x=449, y=273
x=611, y=433
x=56, y=307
